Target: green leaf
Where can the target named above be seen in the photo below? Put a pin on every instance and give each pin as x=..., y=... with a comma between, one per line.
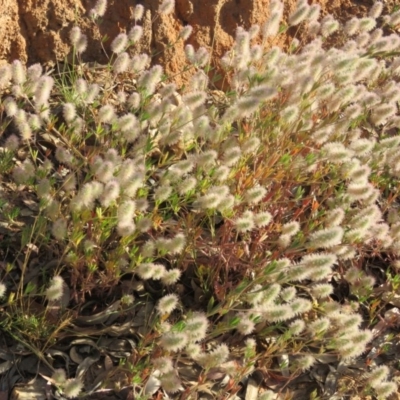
x=26, y=236
x=234, y=322
x=299, y=193
x=285, y=160
x=179, y=326
x=282, y=28
x=271, y=267
x=210, y=304
x=30, y=287
x=239, y=288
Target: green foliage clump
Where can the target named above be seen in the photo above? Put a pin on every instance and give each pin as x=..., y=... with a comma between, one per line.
x=258, y=206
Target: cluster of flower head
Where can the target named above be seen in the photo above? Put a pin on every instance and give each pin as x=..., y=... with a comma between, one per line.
x=322, y=99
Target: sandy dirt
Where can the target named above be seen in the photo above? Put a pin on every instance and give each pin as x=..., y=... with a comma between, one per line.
x=37, y=30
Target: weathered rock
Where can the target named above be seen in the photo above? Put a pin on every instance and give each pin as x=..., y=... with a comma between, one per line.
x=37, y=30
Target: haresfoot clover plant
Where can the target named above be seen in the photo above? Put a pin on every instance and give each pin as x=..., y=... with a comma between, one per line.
x=262, y=205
